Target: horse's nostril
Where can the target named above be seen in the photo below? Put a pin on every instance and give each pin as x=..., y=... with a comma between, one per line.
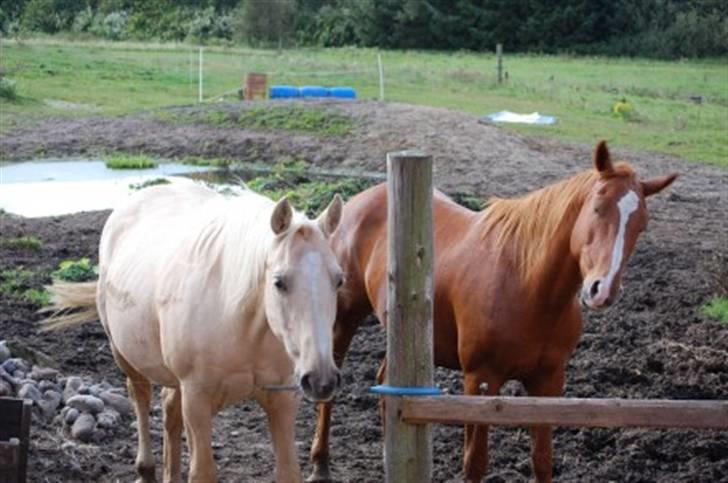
x=594, y=289
x=306, y=383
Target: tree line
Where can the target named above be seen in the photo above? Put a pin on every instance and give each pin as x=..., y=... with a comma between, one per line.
x=650, y=28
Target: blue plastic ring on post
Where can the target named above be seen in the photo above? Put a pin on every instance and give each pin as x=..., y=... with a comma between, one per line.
x=405, y=390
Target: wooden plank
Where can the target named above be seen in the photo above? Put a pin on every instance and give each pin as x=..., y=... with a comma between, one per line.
x=10, y=461
x=575, y=412
x=15, y=415
x=408, y=448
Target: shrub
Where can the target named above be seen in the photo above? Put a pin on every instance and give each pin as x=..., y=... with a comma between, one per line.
x=114, y=25
x=717, y=308
x=125, y=161
x=21, y=243
x=623, y=110
x=21, y=283
x=76, y=270
x=8, y=89
x=49, y=16
x=207, y=24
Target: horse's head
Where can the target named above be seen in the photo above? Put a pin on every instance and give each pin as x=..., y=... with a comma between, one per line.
x=606, y=231
x=301, y=280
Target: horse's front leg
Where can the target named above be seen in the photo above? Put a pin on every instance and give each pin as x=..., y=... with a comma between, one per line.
x=173, y=425
x=544, y=383
x=475, y=457
x=343, y=333
x=197, y=411
x=281, y=408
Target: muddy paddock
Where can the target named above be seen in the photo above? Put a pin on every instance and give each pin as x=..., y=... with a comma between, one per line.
x=655, y=343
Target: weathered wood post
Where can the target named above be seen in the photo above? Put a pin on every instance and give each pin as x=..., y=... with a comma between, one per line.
x=408, y=448
x=499, y=61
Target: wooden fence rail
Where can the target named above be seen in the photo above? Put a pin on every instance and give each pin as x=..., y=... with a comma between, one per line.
x=558, y=411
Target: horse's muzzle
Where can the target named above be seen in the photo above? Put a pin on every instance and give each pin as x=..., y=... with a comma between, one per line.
x=320, y=387
x=594, y=297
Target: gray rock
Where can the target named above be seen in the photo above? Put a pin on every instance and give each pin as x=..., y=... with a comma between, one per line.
x=43, y=374
x=30, y=391
x=9, y=366
x=70, y=415
x=73, y=383
x=17, y=364
x=86, y=403
x=49, y=403
x=108, y=418
x=4, y=352
x=118, y=402
x=49, y=386
x=6, y=389
x=97, y=389
x=4, y=376
x=83, y=427
x=18, y=374
x=84, y=389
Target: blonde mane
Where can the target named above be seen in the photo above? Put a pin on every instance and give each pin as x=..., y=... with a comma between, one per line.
x=527, y=224
x=235, y=242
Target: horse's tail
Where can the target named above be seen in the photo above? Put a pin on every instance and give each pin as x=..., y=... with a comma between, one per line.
x=71, y=304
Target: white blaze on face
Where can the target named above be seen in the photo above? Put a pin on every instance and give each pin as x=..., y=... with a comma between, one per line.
x=312, y=266
x=627, y=205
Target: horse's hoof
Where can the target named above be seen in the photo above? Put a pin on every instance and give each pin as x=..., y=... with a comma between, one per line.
x=320, y=474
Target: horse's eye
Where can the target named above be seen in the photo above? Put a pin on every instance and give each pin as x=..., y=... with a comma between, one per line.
x=339, y=281
x=279, y=284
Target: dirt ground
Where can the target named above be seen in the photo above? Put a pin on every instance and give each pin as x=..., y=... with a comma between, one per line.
x=654, y=344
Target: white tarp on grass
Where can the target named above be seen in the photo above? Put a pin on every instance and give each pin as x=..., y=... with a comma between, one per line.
x=512, y=117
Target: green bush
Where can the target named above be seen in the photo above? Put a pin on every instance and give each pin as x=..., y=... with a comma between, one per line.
x=126, y=161
x=8, y=89
x=22, y=284
x=717, y=308
x=50, y=16
x=21, y=243
x=76, y=270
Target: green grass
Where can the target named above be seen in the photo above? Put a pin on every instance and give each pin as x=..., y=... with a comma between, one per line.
x=119, y=78
x=80, y=270
x=717, y=308
x=130, y=161
x=213, y=162
x=21, y=284
x=148, y=183
x=307, y=194
x=21, y=243
x=293, y=118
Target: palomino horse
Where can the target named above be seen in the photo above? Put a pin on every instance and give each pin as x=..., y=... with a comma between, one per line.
x=505, y=285
x=218, y=299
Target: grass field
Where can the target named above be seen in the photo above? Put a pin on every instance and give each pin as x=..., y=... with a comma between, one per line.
x=57, y=77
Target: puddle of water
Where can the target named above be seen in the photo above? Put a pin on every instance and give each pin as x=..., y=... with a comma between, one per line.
x=49, y=188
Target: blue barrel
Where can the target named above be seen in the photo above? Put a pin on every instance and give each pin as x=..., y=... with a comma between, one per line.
x=314, y=91
x=342, y=92
x=283, y=92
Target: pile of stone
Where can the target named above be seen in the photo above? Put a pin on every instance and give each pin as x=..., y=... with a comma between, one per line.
x=88, y=411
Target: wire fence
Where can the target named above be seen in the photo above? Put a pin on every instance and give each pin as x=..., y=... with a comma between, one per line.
x=221, y=76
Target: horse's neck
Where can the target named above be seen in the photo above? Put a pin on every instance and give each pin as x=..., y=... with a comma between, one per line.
x=538, y=242
x=557, y=279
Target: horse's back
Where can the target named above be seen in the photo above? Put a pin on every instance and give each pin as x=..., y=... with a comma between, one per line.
x=360, y=244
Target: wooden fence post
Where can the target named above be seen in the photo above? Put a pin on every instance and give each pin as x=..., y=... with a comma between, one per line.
x=408, y=448
x=499, y=61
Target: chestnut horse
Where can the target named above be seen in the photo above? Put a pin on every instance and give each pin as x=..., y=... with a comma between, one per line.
x=505, y=285
x=217, y=299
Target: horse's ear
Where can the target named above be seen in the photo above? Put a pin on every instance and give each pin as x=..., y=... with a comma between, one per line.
x=329, y=220
x=602, y=159
x=280, y=219
x=655, y=185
